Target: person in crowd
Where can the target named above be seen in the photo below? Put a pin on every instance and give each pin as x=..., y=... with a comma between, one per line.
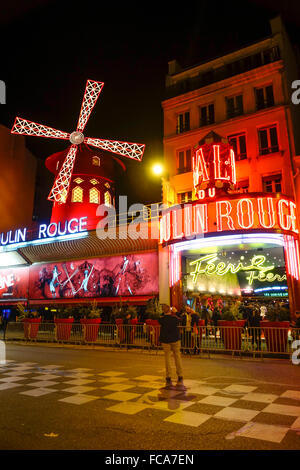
x=296, y=325
x=170, y=341
x=195, y=331
x=127, y=329
x=253, y=324
x=263, y=311
x=186, y=322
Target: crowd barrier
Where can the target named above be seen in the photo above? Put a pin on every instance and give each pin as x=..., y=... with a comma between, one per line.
x=259, y=341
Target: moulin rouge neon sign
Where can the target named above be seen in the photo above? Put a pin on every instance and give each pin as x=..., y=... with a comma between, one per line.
x=45, y=231
x=206, y=265
x=186, y=221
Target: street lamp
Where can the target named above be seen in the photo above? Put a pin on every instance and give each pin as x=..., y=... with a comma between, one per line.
x=157, y=169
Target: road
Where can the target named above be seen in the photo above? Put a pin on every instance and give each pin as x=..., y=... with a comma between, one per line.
x=82, y=398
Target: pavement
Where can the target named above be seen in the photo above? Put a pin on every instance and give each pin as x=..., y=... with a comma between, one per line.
x=87, y=398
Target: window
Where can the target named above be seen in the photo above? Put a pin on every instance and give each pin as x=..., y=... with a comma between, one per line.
x=264, y=97
x=94, y=181
x=268, y=142
x=184, y=161
x=107, y=198
x=185, y=197
x=183, y=122
x=238, y=143
x=242, y=186
x=77, y=194
x=272, y=184
x=78, y=180
x=207, y=115
x=94, y=196
x=234, y=106
x=96, y=161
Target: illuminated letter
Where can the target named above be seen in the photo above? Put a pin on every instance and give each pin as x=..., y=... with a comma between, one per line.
x=165, y=227
x=59, y=229
x=177, y=223
x=188, y=217
x=21, y=235
x=74, y=230
x=221, y=215
x=211, y=192
x=293, y=216
x=200, y=218
x=200, y=167
x=82, y=224
x=49, y=230
x=10, y=240
x=248, y=211
x=262, y=211
x=42, y=230
x=284, y=219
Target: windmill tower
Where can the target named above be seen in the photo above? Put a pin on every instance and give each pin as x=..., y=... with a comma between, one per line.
x=83, y=176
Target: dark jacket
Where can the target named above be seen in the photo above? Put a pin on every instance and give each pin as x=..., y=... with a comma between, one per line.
x=253, y=320
x=169, y=331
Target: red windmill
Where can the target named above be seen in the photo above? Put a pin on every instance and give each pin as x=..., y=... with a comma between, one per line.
x=60, y=190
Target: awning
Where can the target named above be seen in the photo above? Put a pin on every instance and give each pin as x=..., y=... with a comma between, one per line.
x=134, y=300
x=4, y=302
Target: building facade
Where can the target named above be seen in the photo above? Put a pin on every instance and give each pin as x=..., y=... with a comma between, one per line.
x=243, y=98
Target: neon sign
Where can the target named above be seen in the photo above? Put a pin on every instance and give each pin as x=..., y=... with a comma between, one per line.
x=228, y=214
x=206, y=265
x=69, y=228
x=213, y=167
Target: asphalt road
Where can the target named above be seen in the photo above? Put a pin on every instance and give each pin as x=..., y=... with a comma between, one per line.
x=45, y=422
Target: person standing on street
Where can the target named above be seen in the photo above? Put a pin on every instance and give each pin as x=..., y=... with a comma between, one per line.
x=170, y=340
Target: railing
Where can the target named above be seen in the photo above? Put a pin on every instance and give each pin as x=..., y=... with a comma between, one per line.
x=259, y=341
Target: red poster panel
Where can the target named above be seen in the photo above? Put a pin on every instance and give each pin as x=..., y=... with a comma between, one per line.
x=14, y=283
x=100, y=277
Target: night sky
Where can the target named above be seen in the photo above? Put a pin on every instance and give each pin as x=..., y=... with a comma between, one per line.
x=50, y=48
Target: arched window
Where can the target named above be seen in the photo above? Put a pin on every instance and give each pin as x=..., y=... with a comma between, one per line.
x=107, y=198
x=94, y=196
x=77, y=194
x=96, y=161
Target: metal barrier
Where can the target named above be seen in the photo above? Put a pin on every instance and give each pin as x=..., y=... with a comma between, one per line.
x=259, y=341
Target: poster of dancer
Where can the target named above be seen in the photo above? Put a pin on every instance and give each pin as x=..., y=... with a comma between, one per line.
x=14, y=283
x=100, y=277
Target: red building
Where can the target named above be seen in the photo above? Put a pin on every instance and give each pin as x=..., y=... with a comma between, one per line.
x=244, y=99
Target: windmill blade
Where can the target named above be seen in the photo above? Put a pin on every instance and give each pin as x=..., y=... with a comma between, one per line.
x=126, y=149
x=60, y=189
x=91, y=94
x=24, y=127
